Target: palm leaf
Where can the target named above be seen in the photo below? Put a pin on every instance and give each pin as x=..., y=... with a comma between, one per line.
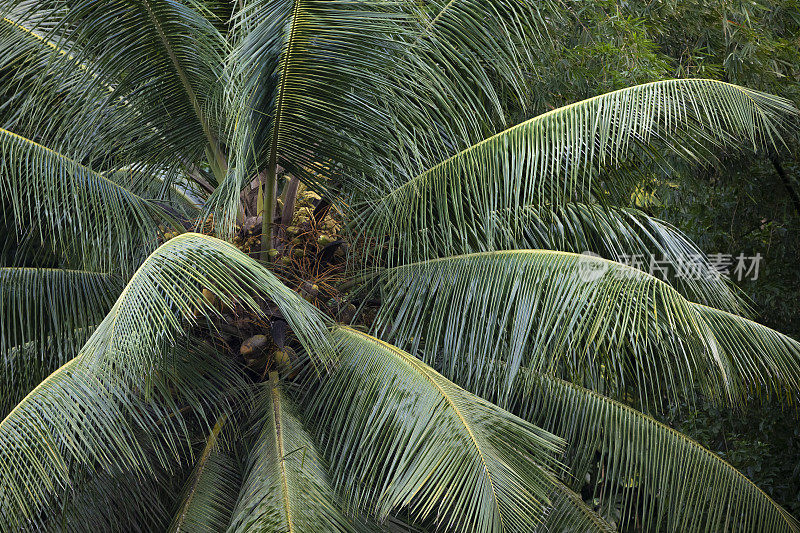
x=73, y=207
x=481, y=317
x=77, y=423
x=26, y=365
x=166, y=296
x=570, y=513
x=37, y=304
x=160, y=58
x=400, y=436
x=113, y=501
x=299, y=74
x=677, y=484
x=573, y=153
x=286, y=487
x=624, y=235
x=210, y=494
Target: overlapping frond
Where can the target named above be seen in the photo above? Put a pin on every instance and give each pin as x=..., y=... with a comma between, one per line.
x=625, y=235
x=574, y=153
x=298, y=71
x=287, y=486
x=85, y=414
x=150, y=68
x=401, y=436
x=26, y=365
x=78, y=424
x=570, y=513
x=73, y=209
x=210, y=494
x=464, y=62
x=668, y=480
x=165, y=297
x=115, y=501
x=481, y=317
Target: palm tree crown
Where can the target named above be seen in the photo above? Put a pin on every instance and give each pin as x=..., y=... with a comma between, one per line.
x=181, y=345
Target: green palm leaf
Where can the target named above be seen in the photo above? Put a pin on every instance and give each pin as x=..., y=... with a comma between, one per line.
x=573, y=153
x=161, y=59
x=77, y=423
x=299, y=72
x=165, y=297
x=400, y=436
x=286, y=487
x=73, y=208
x=210, y=493
x=38, y=303
x=678, y=484
x=481, y=317
x=26, y=365
x=570, y=513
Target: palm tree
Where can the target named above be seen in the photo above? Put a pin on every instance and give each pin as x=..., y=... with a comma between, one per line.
x=497, y=375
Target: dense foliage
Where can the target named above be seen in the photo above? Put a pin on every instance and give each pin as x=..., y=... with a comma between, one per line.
x=300, y=265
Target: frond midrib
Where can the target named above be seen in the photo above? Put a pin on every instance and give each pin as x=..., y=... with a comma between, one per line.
x=420, y=368
x=279, y=448
x=211, y=444
x=553, y=112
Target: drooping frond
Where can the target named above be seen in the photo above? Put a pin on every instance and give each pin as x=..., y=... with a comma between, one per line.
x=676, y=484
x=625, y=235
x=49, y=308
x=149, y=67
x=286, y=487
x=481, y=317
x=210, y=493
x=400, y=436
x=573, y=153
x=116, y=502
x=165, y=297
x=765, y=361
x=78, y=424
x=71, y=207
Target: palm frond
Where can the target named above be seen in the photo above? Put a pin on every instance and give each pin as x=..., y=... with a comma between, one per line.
x=481, y=317
x=50, y=304
x=150, y=66
x=573, y=153
x=570, y=513
x=73, y=207
x=300, y=73
x=765, y=361
x=26, y=365
x=287, y=487
x=464, y=62
x=625, y=235
x=676, y=484
x=78, y=423
x=401, y=436
x=210, y=494
x=165, y=297
x=114, y=501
